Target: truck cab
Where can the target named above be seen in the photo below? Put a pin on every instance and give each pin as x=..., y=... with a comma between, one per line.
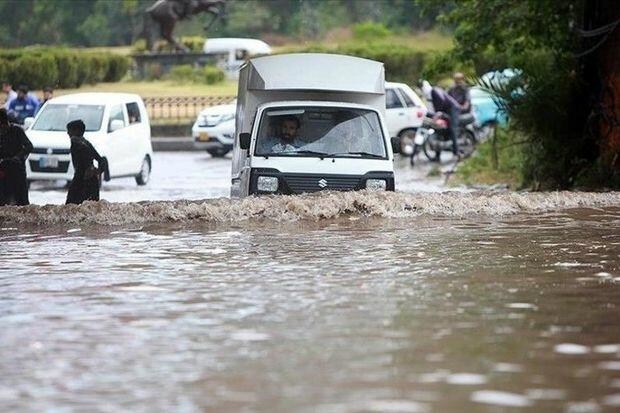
x=311, y=122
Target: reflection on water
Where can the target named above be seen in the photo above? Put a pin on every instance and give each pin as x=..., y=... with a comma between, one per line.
x=355, y=314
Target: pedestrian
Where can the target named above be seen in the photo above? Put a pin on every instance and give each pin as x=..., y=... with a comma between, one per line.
x=24, y=105
x=48, y=93
x=86, y=178
x=7, y=88
x=14, y=149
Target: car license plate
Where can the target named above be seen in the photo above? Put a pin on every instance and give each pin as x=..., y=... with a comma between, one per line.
x=203, y=137
x=48, y=162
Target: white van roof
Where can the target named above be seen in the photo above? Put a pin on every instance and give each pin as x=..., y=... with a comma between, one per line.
x=316, y=71
x=96, y=98
x=224, y=44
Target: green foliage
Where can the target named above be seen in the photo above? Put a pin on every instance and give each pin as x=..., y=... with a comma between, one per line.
x=212, y=75
x=182, y=74
x=370, y=31
x=548, y=102
x=189, y=74
x=59, y=67
x=402, y=63
x=498, y=160
x=34, y=71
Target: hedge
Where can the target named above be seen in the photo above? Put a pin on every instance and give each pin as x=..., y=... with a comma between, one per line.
x=402, y=63
x=60, y=68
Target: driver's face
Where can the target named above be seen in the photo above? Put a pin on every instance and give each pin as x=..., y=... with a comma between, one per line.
x=289, y=130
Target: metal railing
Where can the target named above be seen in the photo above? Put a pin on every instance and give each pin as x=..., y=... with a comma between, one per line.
x=178, y=109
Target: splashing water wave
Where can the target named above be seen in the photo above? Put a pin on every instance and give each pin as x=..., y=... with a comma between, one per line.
x=325, y=205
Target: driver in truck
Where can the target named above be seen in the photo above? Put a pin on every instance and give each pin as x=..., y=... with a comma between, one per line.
x=288, y=141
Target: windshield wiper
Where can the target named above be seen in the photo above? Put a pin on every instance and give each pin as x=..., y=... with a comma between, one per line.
x=368, y=154
x=309, y=152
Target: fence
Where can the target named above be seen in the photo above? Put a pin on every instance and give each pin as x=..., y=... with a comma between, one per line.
x=180, y=109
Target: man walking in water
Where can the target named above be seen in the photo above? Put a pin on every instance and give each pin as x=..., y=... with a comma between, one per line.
x=86, y=179
x=14, y=149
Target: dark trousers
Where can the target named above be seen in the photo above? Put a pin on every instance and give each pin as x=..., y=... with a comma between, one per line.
x=455, y=113
x=83, y=189
x=14, y=186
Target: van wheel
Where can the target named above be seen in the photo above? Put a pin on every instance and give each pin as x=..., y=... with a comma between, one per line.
x=145, y=172
x=217, y=152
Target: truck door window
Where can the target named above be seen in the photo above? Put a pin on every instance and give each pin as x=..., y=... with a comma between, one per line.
x=391, y=99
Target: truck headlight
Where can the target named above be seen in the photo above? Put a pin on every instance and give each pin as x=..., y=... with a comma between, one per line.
x=376, y=184
x=267, y=184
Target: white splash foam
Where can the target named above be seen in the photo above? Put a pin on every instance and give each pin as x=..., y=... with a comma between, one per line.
x=569, y=348
x=324, y=205
x=500, y=398
x=466, y=379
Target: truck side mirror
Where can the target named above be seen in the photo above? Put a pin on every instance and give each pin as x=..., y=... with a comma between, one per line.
x=395, y=140
x=244, y=140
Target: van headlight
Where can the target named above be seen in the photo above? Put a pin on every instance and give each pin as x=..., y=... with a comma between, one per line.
x=267, y=184
x=376, y=184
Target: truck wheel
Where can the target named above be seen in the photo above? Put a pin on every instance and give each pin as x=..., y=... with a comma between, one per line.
x=217, y=152
x=406, y=141
x=145, y=172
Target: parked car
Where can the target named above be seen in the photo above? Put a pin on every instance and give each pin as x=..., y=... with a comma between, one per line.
x=235, y=52
x=117, y=125
x=485, y=107
x=214, y=129
x=404, y=113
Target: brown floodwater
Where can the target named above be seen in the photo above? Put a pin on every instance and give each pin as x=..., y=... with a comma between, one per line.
x=351, y=313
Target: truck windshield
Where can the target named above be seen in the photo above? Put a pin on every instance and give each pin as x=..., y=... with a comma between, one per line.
x=54, y=117
x=321, y=132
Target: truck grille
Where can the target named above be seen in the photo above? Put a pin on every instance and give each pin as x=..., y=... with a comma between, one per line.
x=313, y=183
x=63, y=166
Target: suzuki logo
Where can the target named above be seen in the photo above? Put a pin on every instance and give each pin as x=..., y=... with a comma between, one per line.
x=322, y=183
x=49, y=151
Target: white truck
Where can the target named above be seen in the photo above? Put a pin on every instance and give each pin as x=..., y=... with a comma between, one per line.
x=311, y=122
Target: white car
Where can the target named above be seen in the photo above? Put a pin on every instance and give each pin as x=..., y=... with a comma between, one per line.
x=214, y=129
x=404, y=113
x=117, y=125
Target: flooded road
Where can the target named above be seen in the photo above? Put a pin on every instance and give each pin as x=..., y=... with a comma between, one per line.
x=196, y=175
x=187, y=307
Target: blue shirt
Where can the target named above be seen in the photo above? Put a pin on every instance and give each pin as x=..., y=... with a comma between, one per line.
x=23, y=108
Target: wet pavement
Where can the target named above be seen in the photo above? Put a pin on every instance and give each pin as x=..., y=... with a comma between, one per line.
x=196, y=175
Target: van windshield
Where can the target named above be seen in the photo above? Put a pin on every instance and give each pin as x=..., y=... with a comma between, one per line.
x=321, y=132
x=54, y=117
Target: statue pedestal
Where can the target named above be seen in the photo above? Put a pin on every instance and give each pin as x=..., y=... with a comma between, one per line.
x=158, y=64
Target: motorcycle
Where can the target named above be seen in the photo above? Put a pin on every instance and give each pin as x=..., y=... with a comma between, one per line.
x=433, y=137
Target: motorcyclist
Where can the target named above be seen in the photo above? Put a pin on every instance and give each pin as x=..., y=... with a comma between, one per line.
x=443, y=102
x=460, y=92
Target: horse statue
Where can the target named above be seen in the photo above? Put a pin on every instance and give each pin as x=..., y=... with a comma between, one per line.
x=166, y=13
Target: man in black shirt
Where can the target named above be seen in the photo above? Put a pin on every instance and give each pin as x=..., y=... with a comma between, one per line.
x=86, y=179
x=14, y=149
x=460, y=92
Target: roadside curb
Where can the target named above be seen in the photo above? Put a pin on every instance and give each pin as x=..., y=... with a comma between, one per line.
x=180, y=143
